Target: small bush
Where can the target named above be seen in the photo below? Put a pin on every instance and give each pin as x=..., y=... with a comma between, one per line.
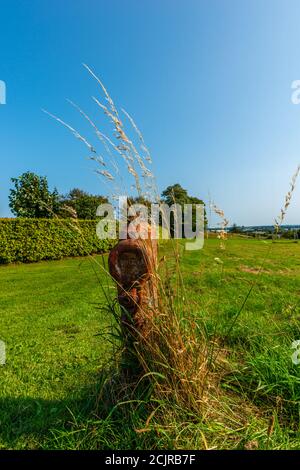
x=29, y=240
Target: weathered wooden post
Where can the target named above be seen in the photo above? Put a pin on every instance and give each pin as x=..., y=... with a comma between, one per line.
x=132, y=264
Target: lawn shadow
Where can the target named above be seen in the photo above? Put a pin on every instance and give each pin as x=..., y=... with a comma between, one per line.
x=89, y=419
x=28, y=422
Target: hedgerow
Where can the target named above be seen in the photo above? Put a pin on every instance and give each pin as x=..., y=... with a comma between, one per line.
x=30, y=240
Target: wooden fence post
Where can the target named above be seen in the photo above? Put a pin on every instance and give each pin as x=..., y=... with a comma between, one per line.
x=132, y=264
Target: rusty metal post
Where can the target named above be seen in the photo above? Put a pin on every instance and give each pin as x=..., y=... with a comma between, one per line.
x=132, y=264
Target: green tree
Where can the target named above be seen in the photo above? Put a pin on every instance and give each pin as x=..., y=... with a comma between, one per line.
x=83, y=203
x=31, y=197
x=177, y=194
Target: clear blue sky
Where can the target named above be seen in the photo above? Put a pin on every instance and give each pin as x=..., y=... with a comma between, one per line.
x=208, y=82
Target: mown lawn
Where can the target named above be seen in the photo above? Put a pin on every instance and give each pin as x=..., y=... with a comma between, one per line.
x=50, y=317
x=51, y=313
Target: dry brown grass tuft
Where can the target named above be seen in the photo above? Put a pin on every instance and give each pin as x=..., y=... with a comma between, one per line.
x=280, y=219
x=223, y=224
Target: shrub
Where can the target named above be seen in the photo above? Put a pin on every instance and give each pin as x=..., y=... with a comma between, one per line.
x=29, y=240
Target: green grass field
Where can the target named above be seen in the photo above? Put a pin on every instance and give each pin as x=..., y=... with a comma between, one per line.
x=52, y=313
x=50, y=316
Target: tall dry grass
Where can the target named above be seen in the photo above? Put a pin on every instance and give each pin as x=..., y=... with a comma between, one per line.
x=175, y=359
x=287, y=200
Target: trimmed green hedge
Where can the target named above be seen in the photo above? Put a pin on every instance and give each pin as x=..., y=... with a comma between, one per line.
x=29, y=240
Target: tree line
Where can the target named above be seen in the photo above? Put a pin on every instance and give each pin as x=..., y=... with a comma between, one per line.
x=30, y=197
